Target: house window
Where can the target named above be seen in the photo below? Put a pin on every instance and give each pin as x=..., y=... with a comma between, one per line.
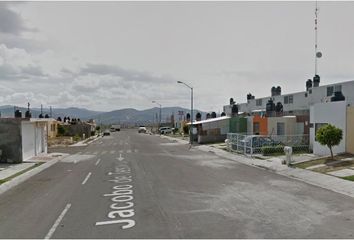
x=329, y=91
x=258, y=102
x=338, y=88
x=332, y=89
x=288, y=99
x=280, y=128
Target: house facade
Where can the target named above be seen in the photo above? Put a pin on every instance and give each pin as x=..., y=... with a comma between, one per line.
x=22, y=138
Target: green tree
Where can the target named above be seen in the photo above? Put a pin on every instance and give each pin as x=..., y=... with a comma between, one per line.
x=61, y=130
x=330, y=136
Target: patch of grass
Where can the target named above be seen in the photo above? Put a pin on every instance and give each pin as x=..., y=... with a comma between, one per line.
x=19, y=173
x=350, y=178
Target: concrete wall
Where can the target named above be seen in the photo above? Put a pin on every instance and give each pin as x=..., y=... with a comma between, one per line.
x=34, y=139
x=78, y=129
x=238, y=125
x=263, y=125
x=289, y=125
x=10, y=140
x=331, y=113
x=350, y=130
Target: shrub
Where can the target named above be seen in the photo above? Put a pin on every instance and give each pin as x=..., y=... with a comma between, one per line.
x=76, y=138
x=61, y=130
x=330, y=136
x=271, y=150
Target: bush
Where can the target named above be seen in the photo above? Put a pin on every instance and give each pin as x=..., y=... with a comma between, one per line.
x=93, y=133
x=279, y=149
x=61, y=130
x=272, y=150
x=175, y=130
x=76, y=138
x=330, y=136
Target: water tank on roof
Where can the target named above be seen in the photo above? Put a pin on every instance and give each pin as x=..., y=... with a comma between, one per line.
x=213, y=115
x=308, y=84
x=273, y=91
x=316, y=80
x=250, y=96
x=18, y=114
x=234, y=110
x=278, y=91
x=270, y=106
x=279, y=107
x=338, y=96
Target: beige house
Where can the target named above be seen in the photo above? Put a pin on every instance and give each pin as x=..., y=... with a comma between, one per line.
x=52, y=126
x=350, y=130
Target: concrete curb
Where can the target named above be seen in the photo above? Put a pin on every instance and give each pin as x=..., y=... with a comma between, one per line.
x=334, y=184
x=25, y=176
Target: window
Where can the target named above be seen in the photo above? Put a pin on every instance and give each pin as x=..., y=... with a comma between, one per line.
x=329, y=91
x=258, y=102
x=280, y=128
x=332, y=89
x=288, y=99
x=338, y=88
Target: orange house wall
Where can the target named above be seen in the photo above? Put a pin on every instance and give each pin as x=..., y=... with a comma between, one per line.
x=263, y=124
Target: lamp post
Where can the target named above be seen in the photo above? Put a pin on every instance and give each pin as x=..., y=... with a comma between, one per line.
x=160, y=112
x=190, y=130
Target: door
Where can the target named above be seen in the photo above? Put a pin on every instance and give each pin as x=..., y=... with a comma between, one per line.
x=280, y=128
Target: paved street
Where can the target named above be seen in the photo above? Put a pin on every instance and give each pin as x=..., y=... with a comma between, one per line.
x=131, y=185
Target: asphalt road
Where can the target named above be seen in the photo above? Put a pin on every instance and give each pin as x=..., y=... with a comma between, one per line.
x=132, y=185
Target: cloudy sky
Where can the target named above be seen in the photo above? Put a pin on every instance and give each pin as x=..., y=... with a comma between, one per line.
x=112, y=55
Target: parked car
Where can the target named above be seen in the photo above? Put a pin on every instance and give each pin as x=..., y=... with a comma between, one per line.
x=106, y=133
x=112, y=129
x=164, y=130
x=142, y=129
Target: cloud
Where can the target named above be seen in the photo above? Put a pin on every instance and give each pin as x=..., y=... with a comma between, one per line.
x=17, y=64
x=10, y=21
x=129, y=75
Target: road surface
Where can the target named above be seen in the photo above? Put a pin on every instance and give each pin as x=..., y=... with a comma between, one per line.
x=131, y=185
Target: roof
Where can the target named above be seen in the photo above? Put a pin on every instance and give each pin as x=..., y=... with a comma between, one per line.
x=210, y=120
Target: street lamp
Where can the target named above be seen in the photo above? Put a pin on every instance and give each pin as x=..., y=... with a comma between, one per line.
x=190, y=129
x=160, y=112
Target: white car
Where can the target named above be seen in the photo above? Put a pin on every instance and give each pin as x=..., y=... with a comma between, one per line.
x=142, y=129
x=164, y=130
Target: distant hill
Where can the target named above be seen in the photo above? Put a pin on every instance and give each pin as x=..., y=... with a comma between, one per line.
x=82, y=113
x=143, y=117
x=123, y=116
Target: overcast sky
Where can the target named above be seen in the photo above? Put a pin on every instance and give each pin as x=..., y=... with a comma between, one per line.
x=112, y=55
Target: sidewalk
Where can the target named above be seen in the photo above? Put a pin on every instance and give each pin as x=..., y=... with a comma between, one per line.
x=275, y=164
x=86, y=141
x=13, y=174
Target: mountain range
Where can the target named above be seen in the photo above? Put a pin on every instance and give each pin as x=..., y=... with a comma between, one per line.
x=122, y=116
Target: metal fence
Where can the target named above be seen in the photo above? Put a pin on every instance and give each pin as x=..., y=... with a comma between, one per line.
x=266, y=144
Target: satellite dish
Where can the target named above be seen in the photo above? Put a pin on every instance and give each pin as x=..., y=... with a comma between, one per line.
x=318, y=54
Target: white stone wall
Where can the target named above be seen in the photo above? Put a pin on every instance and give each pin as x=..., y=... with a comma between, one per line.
x=332, y=113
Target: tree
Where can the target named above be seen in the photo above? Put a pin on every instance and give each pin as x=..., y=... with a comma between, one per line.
x=330, y=136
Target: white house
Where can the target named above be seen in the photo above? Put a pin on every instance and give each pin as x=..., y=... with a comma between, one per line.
x=334, y=113
x=298, y=103
x=22, y=138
